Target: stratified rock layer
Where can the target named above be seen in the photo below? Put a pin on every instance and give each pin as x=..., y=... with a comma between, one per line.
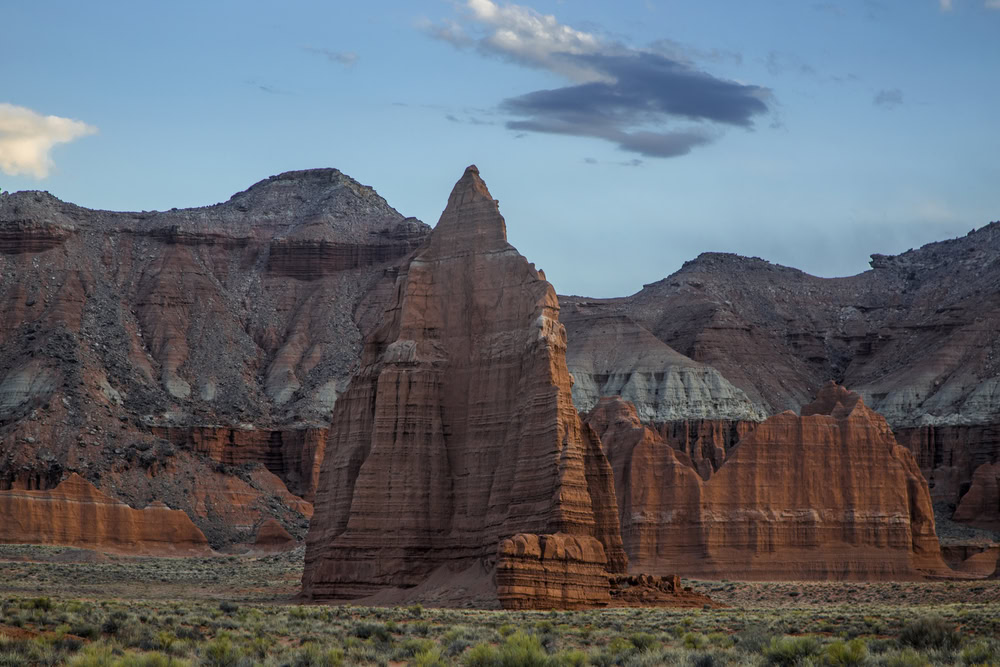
x=142, y=350
x=980, y=506
x=459, y=430
x=826, y=495
x=613, y=356
x=272, y=537
x=76, y=514
x=552, y=571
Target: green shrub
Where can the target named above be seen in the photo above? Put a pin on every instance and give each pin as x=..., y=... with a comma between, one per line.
x=312, y=655
x=852, y=653
x=95, y=655
x=523, y=650
x=981, y=652
x=906, y=658
x=482, y=655
x=643, y=641
x=931, y=632
x=574, y=658
x=753, y=639
x=790, y=651
x=430, y=657
x=221, y=652
x=374, y=631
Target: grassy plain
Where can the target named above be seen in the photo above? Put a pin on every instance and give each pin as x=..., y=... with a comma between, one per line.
x=65, y=606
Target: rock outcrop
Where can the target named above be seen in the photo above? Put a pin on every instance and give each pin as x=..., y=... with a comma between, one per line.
x=915, y=336
x=826, y=495
x=459, y=433
x=980, y=506
x=293, y=455
x=614, y=356
x=272, y=537
x=76, y=514
x=552, y=572
x=223, y=334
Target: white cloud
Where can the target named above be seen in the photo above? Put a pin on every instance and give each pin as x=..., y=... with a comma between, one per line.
x=992, y=4
x=946, y=5
x=525, y=36
x=27, y=138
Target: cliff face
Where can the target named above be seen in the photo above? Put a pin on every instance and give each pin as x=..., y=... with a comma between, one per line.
x=223, y=333
x=459, y=432
x=613, y=356
x=826, y=495
x=75, y=513
x=915, y=336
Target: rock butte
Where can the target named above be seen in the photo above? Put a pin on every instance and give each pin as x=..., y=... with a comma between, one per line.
x=457, y=445
x=76, y=514
x=826, y=495
x=272, y=537
x=196, y=356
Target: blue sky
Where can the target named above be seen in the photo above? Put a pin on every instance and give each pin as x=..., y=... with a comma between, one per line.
x=620, y=138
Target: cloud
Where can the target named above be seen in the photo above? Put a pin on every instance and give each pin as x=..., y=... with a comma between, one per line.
x=345, y=58
x=992, y=4
x=654, y=102
x=946, y=5
x=888, y=98
x=27, y=137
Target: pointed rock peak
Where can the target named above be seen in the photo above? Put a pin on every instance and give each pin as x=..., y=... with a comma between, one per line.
x=469, y=189
x=472, y=216
x=833, y=400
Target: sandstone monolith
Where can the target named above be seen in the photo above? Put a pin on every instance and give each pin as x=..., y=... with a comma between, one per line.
x=459, y=432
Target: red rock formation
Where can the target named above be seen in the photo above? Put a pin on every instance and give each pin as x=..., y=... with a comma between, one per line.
x=980, y=506
x=552, y=572
x=657, y=487
x=459, y=430
x=705, y=441
x=948, y=455
x=197, y=325
x=976, y=559
x=76, y=514
x=826, y=495
x=293, y=455
x=272, y=537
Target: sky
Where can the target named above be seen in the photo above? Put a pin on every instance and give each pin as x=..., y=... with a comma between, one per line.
x=621, y=139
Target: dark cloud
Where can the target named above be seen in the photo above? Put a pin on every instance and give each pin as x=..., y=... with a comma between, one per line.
x=345, y=58
x=654, y=101
x=645, y=92
x=888, y=98
x=470, y=120
x=267, y=88
x=689, y=54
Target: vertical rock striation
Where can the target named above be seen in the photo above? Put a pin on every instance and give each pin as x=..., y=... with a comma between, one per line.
x=825, y=495
x=459, y=431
